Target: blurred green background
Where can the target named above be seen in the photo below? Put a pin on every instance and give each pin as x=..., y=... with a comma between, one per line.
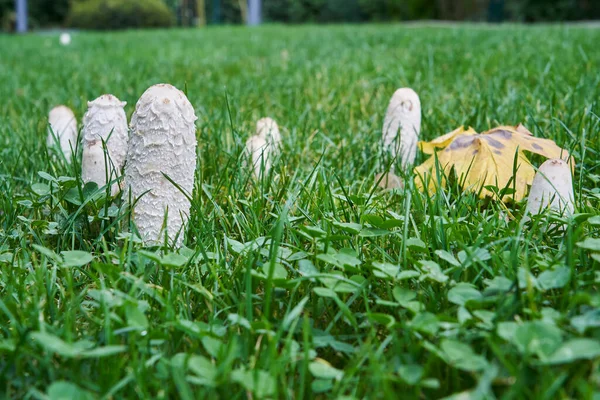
x=120, y=14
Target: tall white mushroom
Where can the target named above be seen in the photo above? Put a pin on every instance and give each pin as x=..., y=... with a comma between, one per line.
x=552, y=188
x=62, y=131
x=163, y=142
x=264, y=146
x=403, y=115
x=105, y=120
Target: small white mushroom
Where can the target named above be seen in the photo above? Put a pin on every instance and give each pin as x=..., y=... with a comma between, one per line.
x=403, y=115
x=65, y=39
x=105, y=120
x=268, y=129
x=264, y=146
x=163, y=142
x=389, y=181
x=552, y=188
x=259, y=152
x=62, y=131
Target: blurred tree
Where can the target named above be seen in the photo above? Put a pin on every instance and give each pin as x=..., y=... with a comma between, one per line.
x=43, y=13
x=558, y=10
x=216, y=11
x=496, y=11
x=243, y=5
x=118, y=14
x=396, y=10
x=201, y=12
x=341, y=11
x=46, y=12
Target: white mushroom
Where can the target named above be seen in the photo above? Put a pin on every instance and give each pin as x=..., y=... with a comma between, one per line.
x=62, y=132
x=389, y=181
x=65, y=39
x=105, y=121
x=268, y=129
x=162, y=142
x=403, y=115
x=552, y=188
x=259, y=152
x=264, y=146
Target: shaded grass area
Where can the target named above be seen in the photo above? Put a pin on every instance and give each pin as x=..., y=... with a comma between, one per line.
x=309, y=282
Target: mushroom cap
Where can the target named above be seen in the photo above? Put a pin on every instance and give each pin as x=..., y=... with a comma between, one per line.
x=106, y=101
x=162, y=142
x=60, y=112
x=63, y=128
x=105, y=120
x=407, y=100
x=552, y=188
x=268, y=129
x=403, y=114
x=164, y=99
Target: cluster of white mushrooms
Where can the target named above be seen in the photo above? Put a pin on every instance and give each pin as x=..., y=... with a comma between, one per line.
x=158, y=155
x=159, y=149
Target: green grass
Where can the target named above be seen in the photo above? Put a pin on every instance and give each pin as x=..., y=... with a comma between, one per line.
x=309, y=283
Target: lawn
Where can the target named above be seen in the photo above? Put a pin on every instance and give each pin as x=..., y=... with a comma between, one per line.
x=309, y=283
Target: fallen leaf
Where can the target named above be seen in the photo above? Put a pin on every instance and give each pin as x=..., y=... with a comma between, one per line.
x=486, y=159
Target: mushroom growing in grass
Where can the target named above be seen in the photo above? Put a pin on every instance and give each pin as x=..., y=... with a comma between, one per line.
x=264, y=146
x=258, y=151
x=552, y=188
x=161, y=160
x=389, y=181
x=268, y=129
x=401, y=127
x=62, y=132
x=105, y=121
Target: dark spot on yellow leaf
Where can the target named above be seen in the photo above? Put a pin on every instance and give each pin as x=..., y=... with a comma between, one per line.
x=498, y=152
x=475, y=151
x=493, y=142
x=462, y=142
x=537, y=146
x=502, y=134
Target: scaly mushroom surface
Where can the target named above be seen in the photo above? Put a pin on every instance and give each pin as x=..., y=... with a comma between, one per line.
x=162, y=142
x=105, y=121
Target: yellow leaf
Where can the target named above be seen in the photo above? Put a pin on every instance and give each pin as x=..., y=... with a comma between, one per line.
x=444, y=140
x=487, y=159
